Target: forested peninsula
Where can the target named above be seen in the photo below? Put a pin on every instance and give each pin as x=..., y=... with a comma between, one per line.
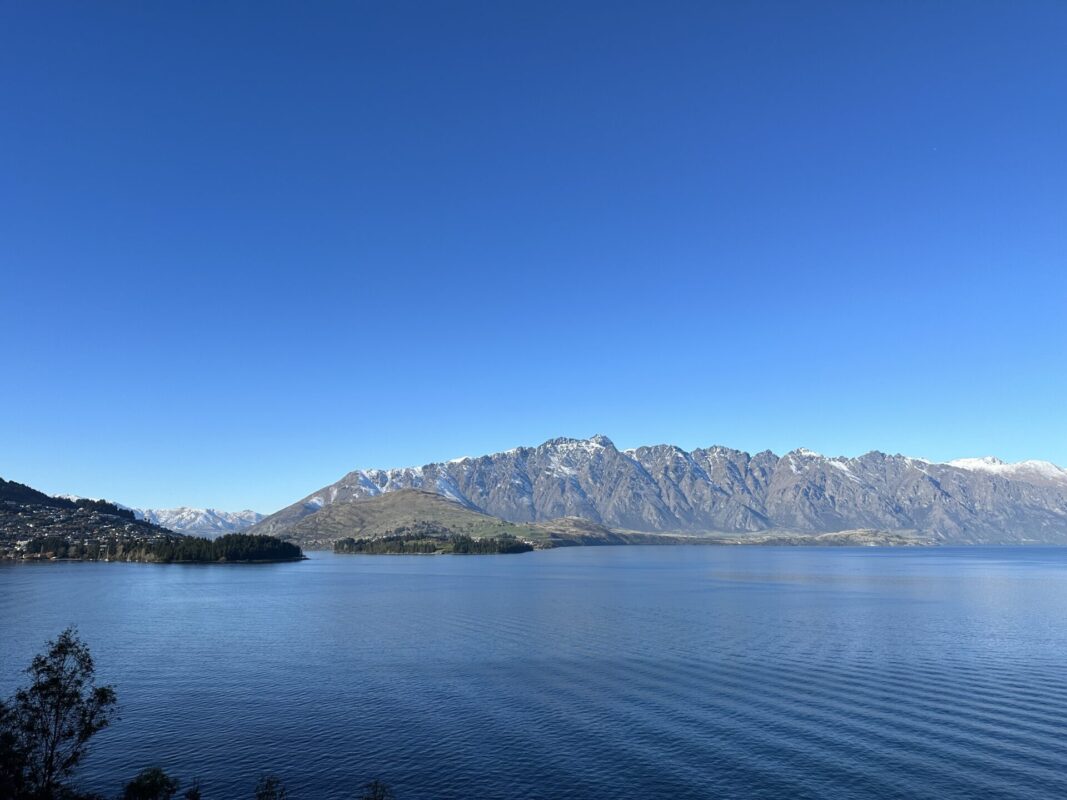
x=425, y=538
x=233, y=548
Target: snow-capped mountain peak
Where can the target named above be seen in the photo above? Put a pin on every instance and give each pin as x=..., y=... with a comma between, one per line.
x=200, y=521
x=985, y=463
x=1032, y=469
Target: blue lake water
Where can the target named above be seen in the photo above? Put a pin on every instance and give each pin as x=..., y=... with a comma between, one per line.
x=626, y=672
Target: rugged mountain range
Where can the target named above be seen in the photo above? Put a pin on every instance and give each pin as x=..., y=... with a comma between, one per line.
x=664, y=488
x=207, y=522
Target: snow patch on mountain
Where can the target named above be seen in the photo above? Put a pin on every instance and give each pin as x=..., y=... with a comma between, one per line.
x=208, y=522
x=1021, y=470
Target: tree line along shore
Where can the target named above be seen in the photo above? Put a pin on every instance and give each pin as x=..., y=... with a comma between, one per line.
x=233, y=548
x=428, y=538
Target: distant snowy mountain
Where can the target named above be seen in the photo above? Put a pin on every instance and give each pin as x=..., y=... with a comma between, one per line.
x=208, y=522
x=665, y=488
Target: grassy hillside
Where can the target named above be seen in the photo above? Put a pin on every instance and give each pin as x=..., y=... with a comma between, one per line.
x=863, y=537
x=568, y=531
x=384, y=514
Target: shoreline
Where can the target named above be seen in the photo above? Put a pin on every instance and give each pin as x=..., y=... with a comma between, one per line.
x=147, y=561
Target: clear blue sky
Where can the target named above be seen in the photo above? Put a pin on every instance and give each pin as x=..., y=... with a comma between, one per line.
x=247, y=247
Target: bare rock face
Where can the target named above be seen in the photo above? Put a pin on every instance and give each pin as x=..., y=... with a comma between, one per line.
x=664, y=488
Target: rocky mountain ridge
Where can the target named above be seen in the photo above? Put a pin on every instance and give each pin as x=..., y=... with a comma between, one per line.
x=663, y=488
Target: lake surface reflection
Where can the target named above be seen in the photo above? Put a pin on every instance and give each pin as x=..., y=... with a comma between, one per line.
x=628, y=672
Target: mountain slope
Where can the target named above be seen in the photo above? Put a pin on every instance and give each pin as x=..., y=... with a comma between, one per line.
x=383, y=514
x=21, y=494
x=665, y=488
